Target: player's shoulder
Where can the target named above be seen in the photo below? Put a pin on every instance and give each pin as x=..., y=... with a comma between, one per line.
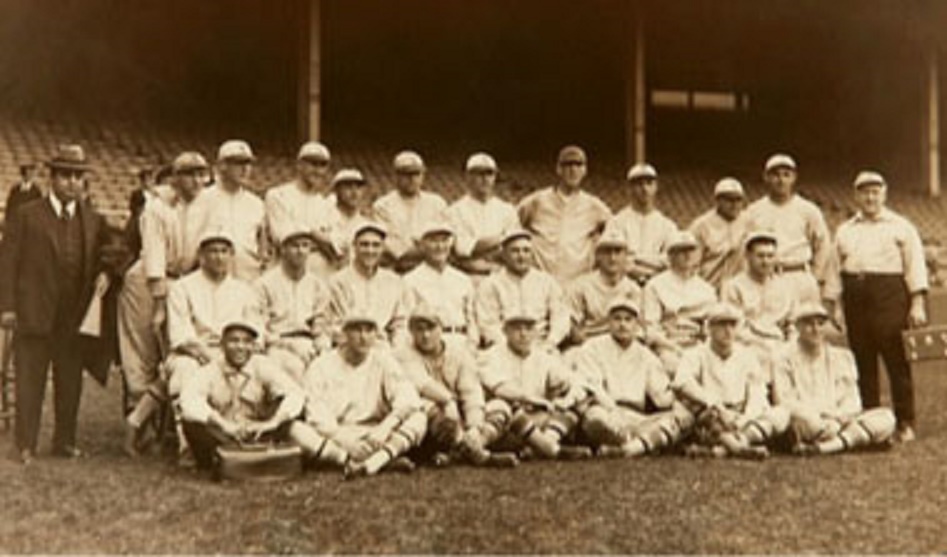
x=434, y=198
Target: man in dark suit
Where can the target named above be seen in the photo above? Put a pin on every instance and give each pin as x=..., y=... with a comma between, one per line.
x=50, y=260
x=24, y=191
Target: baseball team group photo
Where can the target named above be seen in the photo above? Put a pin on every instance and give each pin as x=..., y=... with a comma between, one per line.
x=321, y=277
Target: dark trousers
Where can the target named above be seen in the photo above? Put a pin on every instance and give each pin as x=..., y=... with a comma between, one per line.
x=204, y=440
x=33, y=354
x=876, y=310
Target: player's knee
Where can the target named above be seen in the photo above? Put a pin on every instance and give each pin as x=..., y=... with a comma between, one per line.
x=498, y=413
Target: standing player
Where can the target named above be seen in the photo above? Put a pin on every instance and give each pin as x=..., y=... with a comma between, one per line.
x=521, y=289
x=361, y=409
x=817, y=383
x=803, y=238
x=884, y=284
x=480, y=219
x=344, y=214
x=405, y=208
x=646, y=230
x=564, y=219
x=720, y=232
x=441, y=287
x=623, y=376
x=237, y=210
x=590, y=294
x=720, y=383
x=22, y=192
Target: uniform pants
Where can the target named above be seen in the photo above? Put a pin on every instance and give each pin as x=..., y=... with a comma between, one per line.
x=876, y=309
x=33, y=354
x=137, y=342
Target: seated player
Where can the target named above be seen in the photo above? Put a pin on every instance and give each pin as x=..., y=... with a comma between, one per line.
x=674, y=303
x=440, y=286
x=444, y=371
x=721, y=384
x=520, y=288
x=239, y=398
x=590, y=294
x=293, y=301
x=368, y=287
x=818, y=384
x=362, y=412
x=622, y=376
x=539, y=391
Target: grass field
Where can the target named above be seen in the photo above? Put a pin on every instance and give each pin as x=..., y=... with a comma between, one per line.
x=887, y=502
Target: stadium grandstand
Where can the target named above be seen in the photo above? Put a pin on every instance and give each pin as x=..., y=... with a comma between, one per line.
x=702, y=89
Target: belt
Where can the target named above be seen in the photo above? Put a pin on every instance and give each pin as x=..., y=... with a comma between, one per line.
x=866, y=276
x=791, y=267
x=461, y=330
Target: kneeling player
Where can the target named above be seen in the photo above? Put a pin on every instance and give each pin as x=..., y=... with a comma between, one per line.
x=818, y=383
x=362, y=412
x=539, y=392
x=231, y=400
x=722, y=384
x=622, y=375
x=444, y=371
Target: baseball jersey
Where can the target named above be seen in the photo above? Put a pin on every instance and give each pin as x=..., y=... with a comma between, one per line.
x=720, y=246
x=449, y=292
x=541, y=374
x=627, y=376
x=287, y=305
x=381, y=295
x=536, y=294
x=341, y=229
x=766, y=305
x=734, y=382
x=198, y=308
x=801, y=233
x=242, y=395
x=825, y=383
x=403, y=216
x=473, y=219
x=453, y=373
x=564, y=229
x=289, y=206
x=672, y=305
x=647, y=235
x=241, y=215
x=590, y=294
x=340, y=393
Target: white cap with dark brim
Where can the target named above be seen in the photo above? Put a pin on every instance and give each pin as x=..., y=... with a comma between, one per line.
x=779, y=160
x=642, y=171
x=869, y=178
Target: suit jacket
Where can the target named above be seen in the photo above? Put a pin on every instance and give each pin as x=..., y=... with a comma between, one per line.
x=18, y=198
x=30, y=281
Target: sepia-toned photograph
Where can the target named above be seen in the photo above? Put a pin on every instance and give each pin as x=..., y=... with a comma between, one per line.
x=473, y=277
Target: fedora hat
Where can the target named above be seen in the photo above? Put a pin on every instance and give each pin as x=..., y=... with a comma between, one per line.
x=69, y=157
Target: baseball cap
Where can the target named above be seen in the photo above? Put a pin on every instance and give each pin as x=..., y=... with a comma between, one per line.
x=297, y=230
x=779, y=160
x=515, y=233
x=809, y=309
x=520, y=317
x=215, y=235
x=369, y=225
x=425, y=312
x=348, y=175
x=481, y=161
x=623, y=302
x=572, y=153
x=723, y=312
x=729, y=187
x=358, y=317
x=187, y=161
x=434, y=226
x=682, y=239
x=642, y=171
x=314, y=151
x=242, y=325
x=759, y=236
x=235, y=150
x=408, y=161
x=869, y=177
x=611, y=238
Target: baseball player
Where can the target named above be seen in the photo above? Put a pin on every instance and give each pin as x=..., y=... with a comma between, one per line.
x=720, y=383
x=645, y=229
x=293, y=303
x=238, y=398
x=590, y=294
x=233, y=207
x=445, y=373
x=720, y=233
x=564, y=219
x=344, y=214
x=405, y=208
x=364, y=287
x=818, y=384
x=622, y=376
x=540, y=392
x=440, y=286
x=803, y=249
x=172, y=224
x=303, y=201
x=361, y=407
x=519, y=288
x=674, y=303
x=884, y=286
x=480, y=219
x=199, y=305
x=763, y=297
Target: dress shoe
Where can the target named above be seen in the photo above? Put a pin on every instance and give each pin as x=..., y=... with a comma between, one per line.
x=71, y=452
x=905, y=434
x=401, y=465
